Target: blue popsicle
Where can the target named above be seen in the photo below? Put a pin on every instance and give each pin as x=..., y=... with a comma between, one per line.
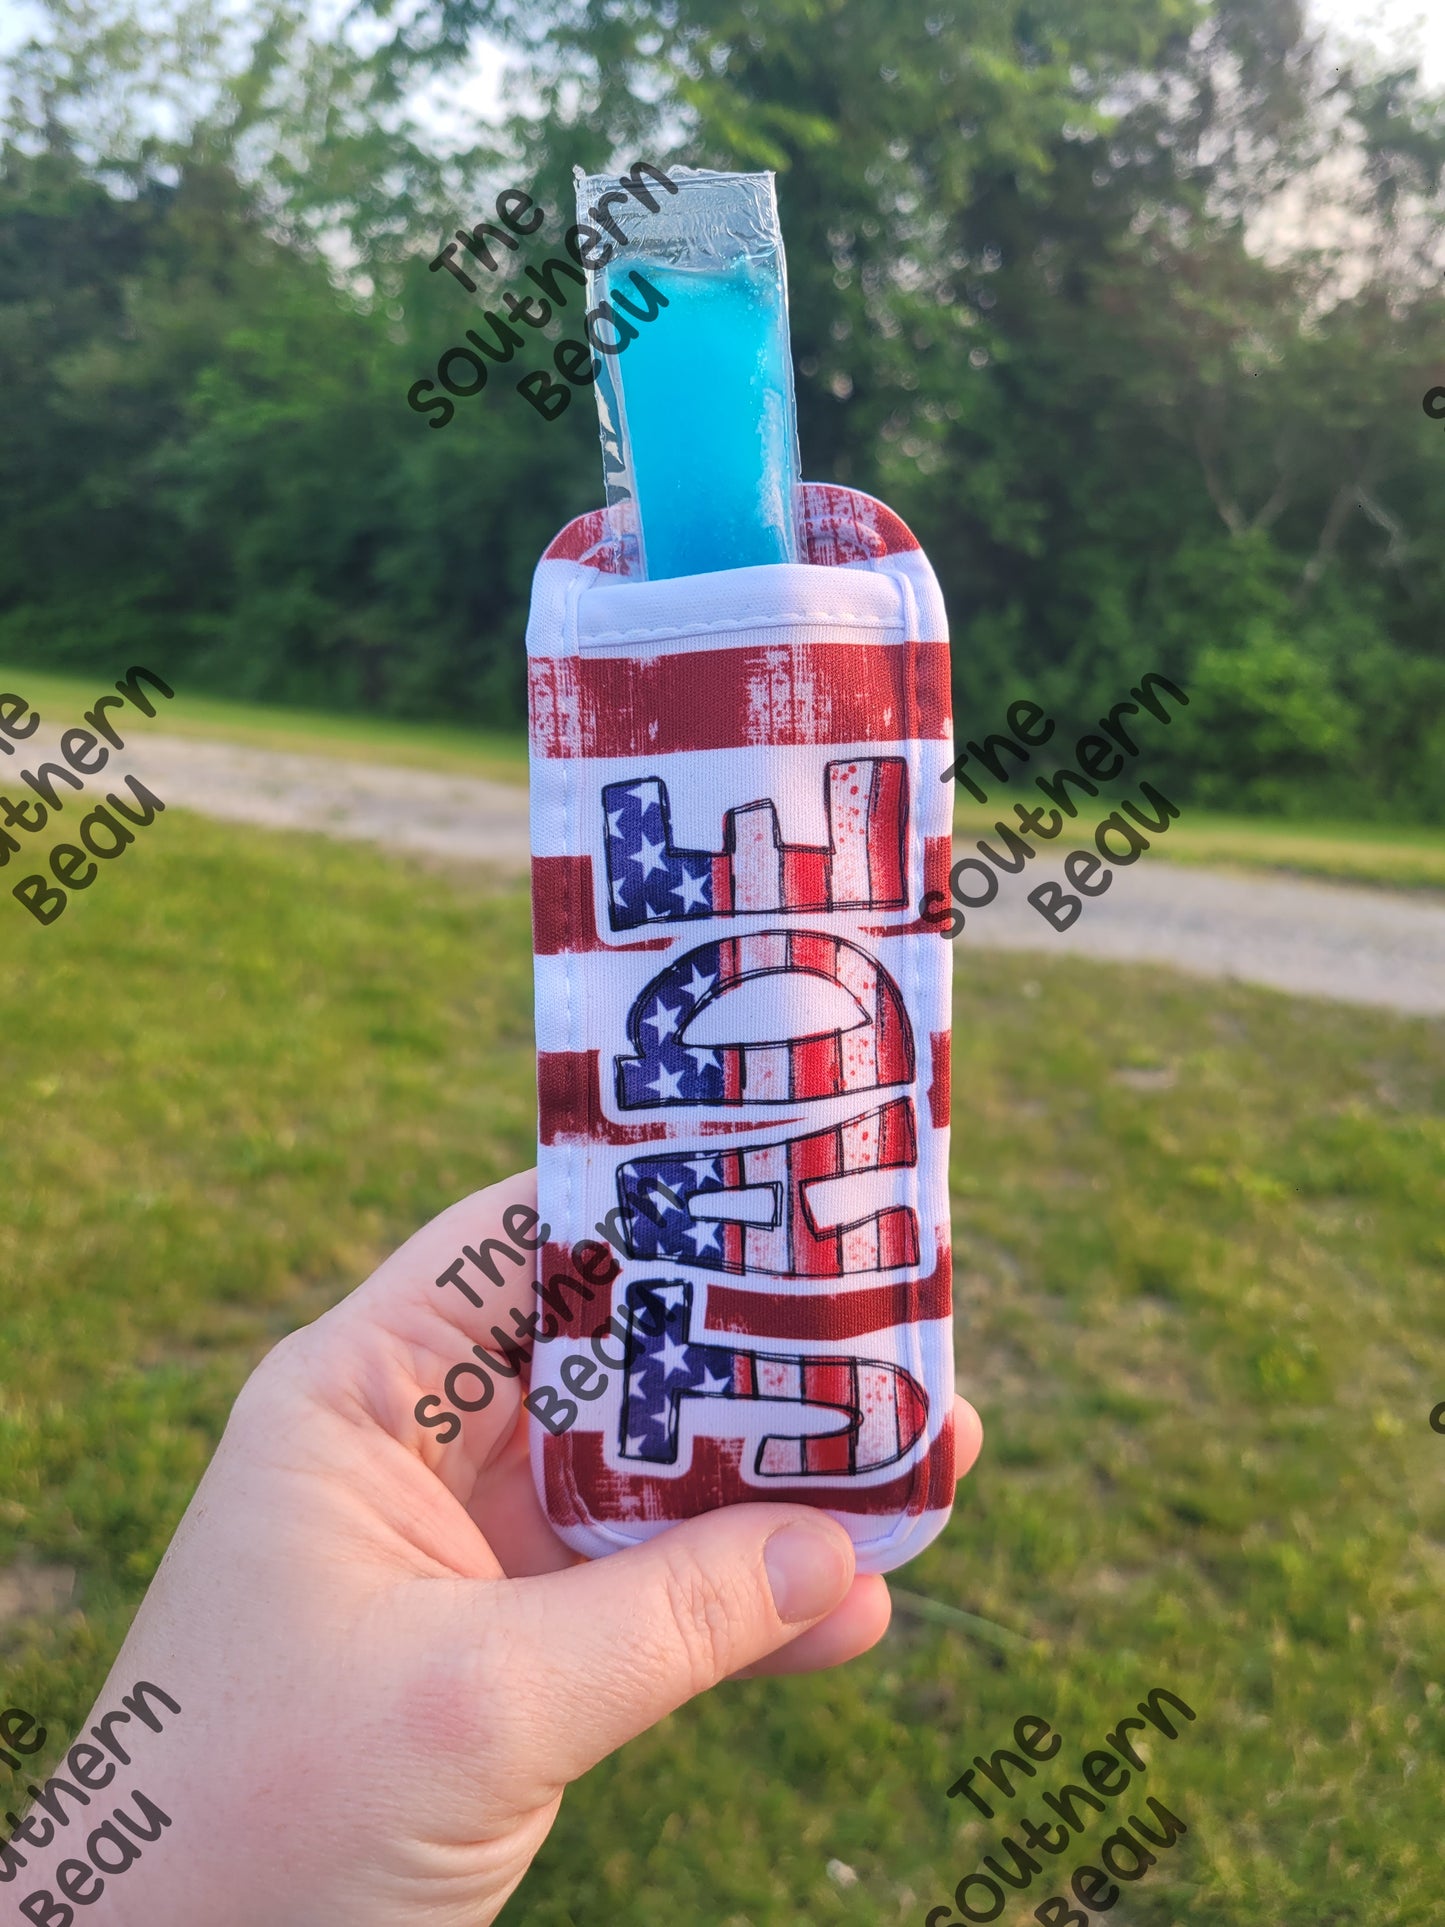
x=706, y=411
x=698, y=410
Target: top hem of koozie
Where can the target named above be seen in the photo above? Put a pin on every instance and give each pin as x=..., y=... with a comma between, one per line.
x=839, y=527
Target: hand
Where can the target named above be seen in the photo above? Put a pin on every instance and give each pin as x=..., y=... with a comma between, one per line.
x=388, y=1666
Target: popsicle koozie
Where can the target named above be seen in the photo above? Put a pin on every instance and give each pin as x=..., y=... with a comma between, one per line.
x=742, y=1024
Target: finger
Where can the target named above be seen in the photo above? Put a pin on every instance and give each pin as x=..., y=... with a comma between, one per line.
x=850, y=1629
x=470, y=1294
x=967, y=1438
x=606, y=1649
x=506, y=1509
x=428, y=1346
x=863, y=1617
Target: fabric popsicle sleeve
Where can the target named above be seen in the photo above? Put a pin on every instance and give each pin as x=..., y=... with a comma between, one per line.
x=743, y=1033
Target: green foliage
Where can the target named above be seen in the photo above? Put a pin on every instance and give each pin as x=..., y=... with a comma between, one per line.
x=1199, y=1272
x=1023, y=307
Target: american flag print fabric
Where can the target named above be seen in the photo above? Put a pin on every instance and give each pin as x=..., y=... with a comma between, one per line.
x=743, y=1029
x=860, y=867
x=859, y=1057
x=670, y=1204
x=881, y=1407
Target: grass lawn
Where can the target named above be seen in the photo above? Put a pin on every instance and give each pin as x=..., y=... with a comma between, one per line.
x=1405, y=857
x=1201, y=1305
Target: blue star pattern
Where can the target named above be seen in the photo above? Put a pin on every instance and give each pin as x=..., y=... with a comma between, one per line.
x=663, y=1367
x=648, y=880
x=880, y=1409
x=659, y=1225
x=669, y=1071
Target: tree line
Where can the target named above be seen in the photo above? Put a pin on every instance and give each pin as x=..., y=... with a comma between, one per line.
x=1128, y=310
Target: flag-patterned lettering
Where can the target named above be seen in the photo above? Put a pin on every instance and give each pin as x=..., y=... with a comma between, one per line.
x=875, y=1052
x=883, y=1408
x=666, y=1202
x=861, y=867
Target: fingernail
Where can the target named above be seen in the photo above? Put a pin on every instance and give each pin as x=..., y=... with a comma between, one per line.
x=809, y=1570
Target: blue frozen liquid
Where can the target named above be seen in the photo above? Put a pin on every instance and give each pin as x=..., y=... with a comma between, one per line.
x=706, y=407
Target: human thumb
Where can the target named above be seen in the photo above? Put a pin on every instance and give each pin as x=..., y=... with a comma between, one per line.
x=599, y=1652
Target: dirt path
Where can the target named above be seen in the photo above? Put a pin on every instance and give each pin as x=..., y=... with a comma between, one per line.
x=1320, y=939
x=406, y=809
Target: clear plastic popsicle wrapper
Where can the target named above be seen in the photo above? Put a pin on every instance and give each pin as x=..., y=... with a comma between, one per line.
x=738, y=691
x=715, y=363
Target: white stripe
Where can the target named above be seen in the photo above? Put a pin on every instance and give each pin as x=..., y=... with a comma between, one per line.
x=763, y=950
x=860, y=1059
x=765, y=1250
x=848, y=824
x=701, y=790
x=856, y=1195
x=558, y=1013
x=767, y=1074
x=757, y=860
x=860, y=1248
x=861, y=1143
x=779, y=1378
x=878, y=1435
x=652, y=618
x=859, y=976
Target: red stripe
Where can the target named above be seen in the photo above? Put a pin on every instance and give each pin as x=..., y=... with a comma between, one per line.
x=773, y=696
x=897, y=1237
x=887, y=832
x=940, y=1089
x=817, y=1068
x=558, y=1258
x=830, y=1383
x=722, y=885
x=818, y=1154
x=732, y=1070
x=573, y=1465
x=844, y=525
x=892, y=1039
x=564, y=914
x=937, y=861
x=832, y=1317
x=897, y=1141
x=835, y=1454
x=805, y=878
x=569, y=1103
x=911, y=1409
x=587, y=539
x=811, y=950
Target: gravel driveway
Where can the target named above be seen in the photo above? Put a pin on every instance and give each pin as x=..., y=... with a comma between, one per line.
x=1321, y=939
x=406, y=809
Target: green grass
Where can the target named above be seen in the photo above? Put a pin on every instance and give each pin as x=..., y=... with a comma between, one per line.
x=1201, y=1304
x=500, y=754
